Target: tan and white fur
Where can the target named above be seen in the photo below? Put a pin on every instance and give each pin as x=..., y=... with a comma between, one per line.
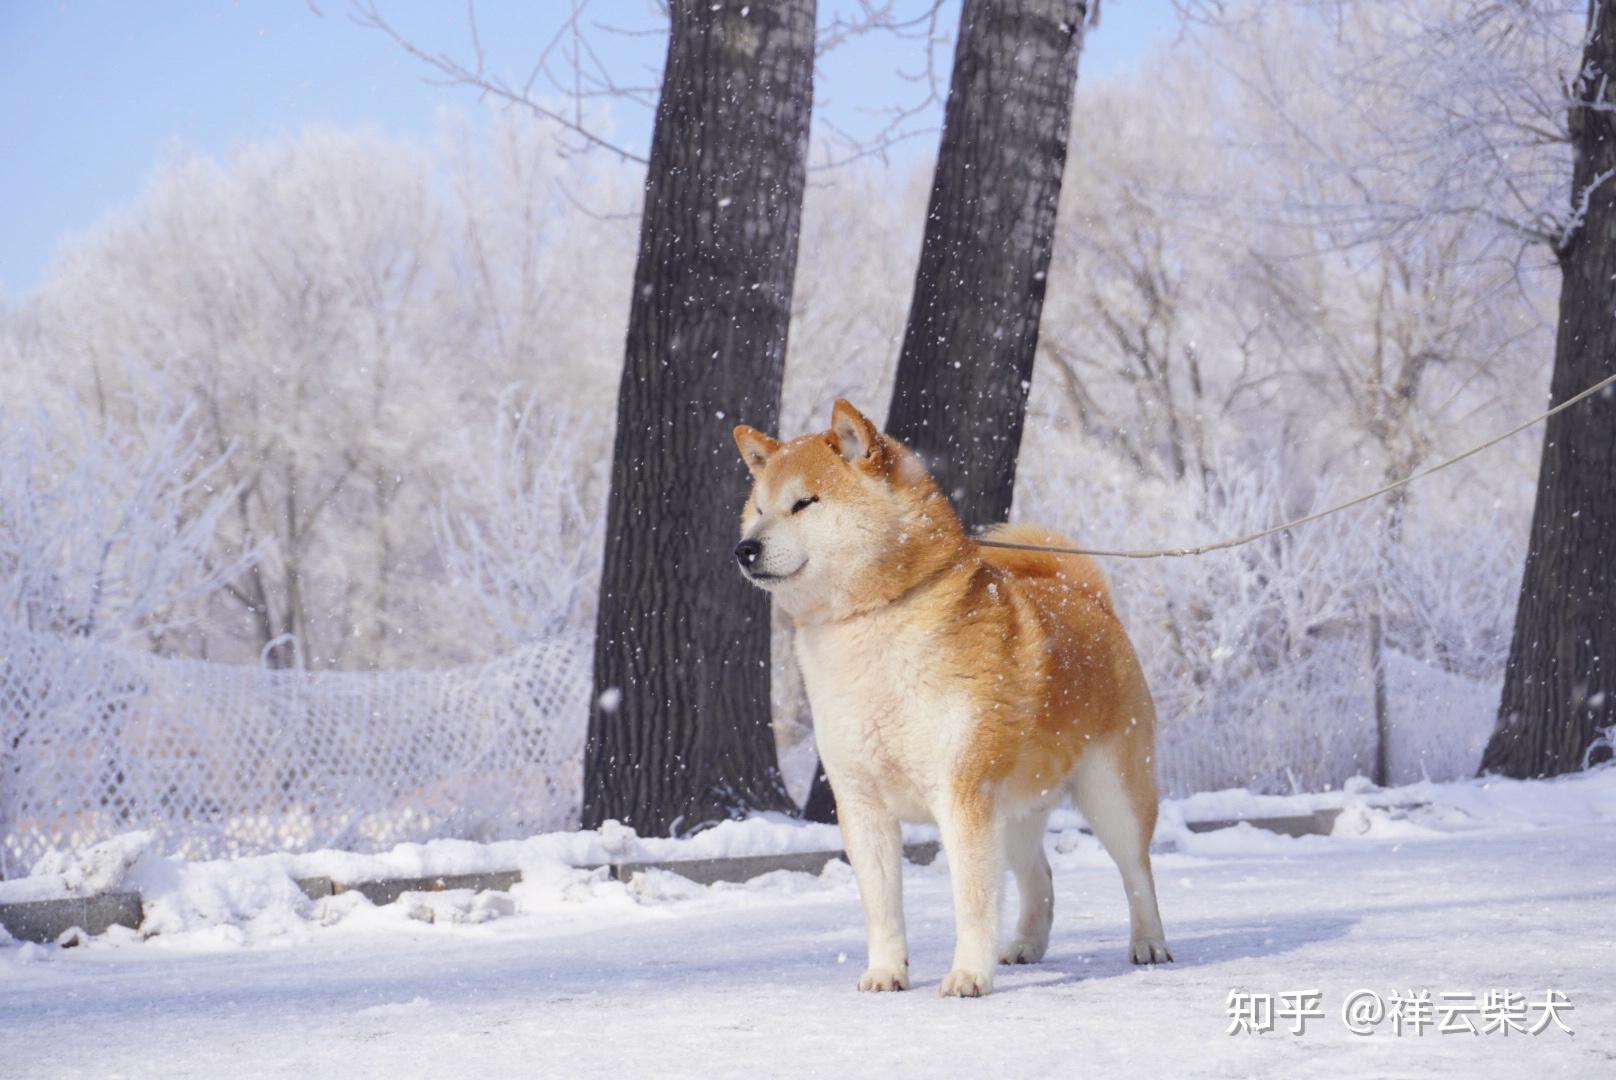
x=951, y=683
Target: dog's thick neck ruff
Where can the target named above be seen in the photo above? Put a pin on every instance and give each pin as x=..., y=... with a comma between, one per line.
x=929, y=552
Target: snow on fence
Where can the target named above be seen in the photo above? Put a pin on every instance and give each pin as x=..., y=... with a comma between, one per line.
x=220, y=760
x=1308, y=723
x=1304, y=724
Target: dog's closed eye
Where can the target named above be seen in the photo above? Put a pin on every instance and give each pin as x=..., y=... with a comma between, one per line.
x=802, y=504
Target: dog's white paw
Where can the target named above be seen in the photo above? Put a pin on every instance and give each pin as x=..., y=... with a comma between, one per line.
x=1023, y=950
x=962, y=983
x=1150, y=951
x=879, y=980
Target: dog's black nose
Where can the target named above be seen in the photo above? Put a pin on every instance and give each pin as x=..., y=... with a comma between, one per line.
x=748, y=552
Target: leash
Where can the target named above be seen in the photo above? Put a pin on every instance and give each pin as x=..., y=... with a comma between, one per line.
x=1161, y=553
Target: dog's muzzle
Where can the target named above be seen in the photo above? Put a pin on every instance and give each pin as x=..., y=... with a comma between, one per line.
x=748, y=552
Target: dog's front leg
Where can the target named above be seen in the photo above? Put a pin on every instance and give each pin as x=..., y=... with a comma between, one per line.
x=976, y=872
x=874, y=845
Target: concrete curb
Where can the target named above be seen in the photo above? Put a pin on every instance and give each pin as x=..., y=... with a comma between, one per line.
x=389, y=890
x=48, y=920
x=1318, y=823
x=747, y=867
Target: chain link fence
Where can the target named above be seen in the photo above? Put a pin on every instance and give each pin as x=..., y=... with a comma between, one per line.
x=221, y=759
x=225, y=760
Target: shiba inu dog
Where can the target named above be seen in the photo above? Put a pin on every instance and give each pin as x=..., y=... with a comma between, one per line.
x=950, y=683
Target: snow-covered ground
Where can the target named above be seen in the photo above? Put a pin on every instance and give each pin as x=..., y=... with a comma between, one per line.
x=1502, y=886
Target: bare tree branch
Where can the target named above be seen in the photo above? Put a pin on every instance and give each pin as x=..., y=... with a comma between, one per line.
x=476, y=74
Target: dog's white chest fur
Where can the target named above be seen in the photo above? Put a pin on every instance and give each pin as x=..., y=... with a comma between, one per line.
x=884, y=718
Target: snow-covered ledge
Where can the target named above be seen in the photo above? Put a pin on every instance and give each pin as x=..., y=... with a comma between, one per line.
x=123, y=882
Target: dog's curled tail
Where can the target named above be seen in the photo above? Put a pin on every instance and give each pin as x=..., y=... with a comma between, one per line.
x=1078, y=571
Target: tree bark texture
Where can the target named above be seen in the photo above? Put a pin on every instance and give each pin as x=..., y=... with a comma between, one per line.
x=679, y=734
x=1560, y=683
x=966, y=363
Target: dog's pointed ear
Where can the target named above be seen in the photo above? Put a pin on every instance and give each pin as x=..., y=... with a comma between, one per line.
x=755, y=447
x=853, y=436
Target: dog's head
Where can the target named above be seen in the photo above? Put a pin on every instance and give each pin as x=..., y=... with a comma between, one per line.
x=840, y=521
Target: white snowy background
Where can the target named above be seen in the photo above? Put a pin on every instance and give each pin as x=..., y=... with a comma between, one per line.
x=343, y=398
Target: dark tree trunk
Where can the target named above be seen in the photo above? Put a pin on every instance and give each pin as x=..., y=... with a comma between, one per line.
x=1560, y=685
x=679, y=734
x=821, y=804
x=966, y=364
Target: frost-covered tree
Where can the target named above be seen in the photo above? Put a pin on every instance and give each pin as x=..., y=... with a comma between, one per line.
x=1207, y=310
x=520, y=537
x=1489, y=118
x=291, y=295
x=339, y=316
x=107, y=528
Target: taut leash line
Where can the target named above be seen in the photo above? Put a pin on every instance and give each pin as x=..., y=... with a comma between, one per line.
x=1162, y=553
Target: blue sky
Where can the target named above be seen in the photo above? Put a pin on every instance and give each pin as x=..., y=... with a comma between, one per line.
x=92, y=91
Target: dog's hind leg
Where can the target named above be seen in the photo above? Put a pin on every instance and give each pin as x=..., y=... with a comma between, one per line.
x=1024, y=845
x=1115, y=790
